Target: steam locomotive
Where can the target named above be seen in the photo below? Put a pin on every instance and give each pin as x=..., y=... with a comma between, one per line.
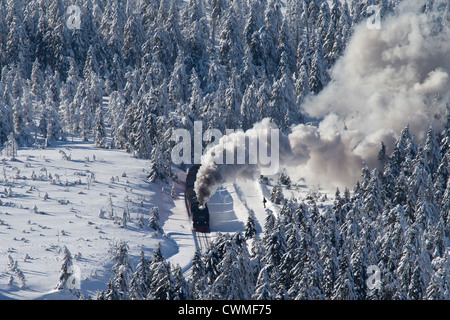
x=199, y=215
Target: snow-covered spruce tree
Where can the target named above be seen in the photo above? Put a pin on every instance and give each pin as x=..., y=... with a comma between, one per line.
x=445, y=135
x=115, y=117
x=178, y=82
x=67, y=95
x=231, y=48
x=373, y=202
x=181, y=289
x=324, y=19
x=153, y=220
x=157, y=166
x=12, y=264
x=228, y=285
x=276, y=196
x=212, y=257
x=16, y=40
x=328, y=238
x=67, y=277
x=285, y=180
x=11, y=147
x=441, y=177
x=387, y=184
x=417, y=180
x=172, y=25
x=218, y=8
x=250, y=227
x=115, y=81
x=235, y=277
x=285, y=275
x=99, y=129
x=438, y=287
x=21, y=122
x=318, y=77
x=195, y=45
x=390, y=239
x=250, y=113
x=5, y=117
x=432, y=151
x=359, y=262
x=282, y=102
x=275, y=248
x=197, y=280
x=37, y=78
x=286, y=45
x=273, y=20
x=133, y=40
x=263, y=290
x=123, y=270
x=344, y=285
x=246, y=268
x=112, y=25
x=269, y=224
x=141, y=141
x=445, y=208
x=162, y=284
x=233, y=100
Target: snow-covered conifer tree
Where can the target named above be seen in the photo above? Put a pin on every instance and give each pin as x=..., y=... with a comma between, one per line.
x=153, y=221
x=99, y=129
x=198, y=279
x=123, y=270
x=250, y=227
x=67, y=272
x=263, y=290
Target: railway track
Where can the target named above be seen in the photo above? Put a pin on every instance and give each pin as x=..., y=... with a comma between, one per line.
x=202, y=241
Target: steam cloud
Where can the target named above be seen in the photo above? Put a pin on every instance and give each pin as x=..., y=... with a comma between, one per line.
x=386, y=79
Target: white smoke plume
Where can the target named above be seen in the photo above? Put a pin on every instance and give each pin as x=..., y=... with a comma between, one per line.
x=386, y=79
x=241, y=155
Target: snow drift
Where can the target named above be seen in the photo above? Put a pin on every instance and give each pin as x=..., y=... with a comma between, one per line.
x=386, y=79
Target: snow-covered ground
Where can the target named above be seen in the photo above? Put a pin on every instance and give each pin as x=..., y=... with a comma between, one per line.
x=55, y=197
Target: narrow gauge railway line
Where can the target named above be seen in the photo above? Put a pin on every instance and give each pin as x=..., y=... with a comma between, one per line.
x=202, y=241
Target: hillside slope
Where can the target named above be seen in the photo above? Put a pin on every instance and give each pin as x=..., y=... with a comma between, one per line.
x=75, y=195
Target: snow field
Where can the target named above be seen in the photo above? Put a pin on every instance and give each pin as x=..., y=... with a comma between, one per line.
x=59, y=205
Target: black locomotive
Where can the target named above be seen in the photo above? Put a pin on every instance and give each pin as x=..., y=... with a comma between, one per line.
x=199, y=216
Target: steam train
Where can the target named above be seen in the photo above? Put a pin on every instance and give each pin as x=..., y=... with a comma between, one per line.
x=198, y=215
